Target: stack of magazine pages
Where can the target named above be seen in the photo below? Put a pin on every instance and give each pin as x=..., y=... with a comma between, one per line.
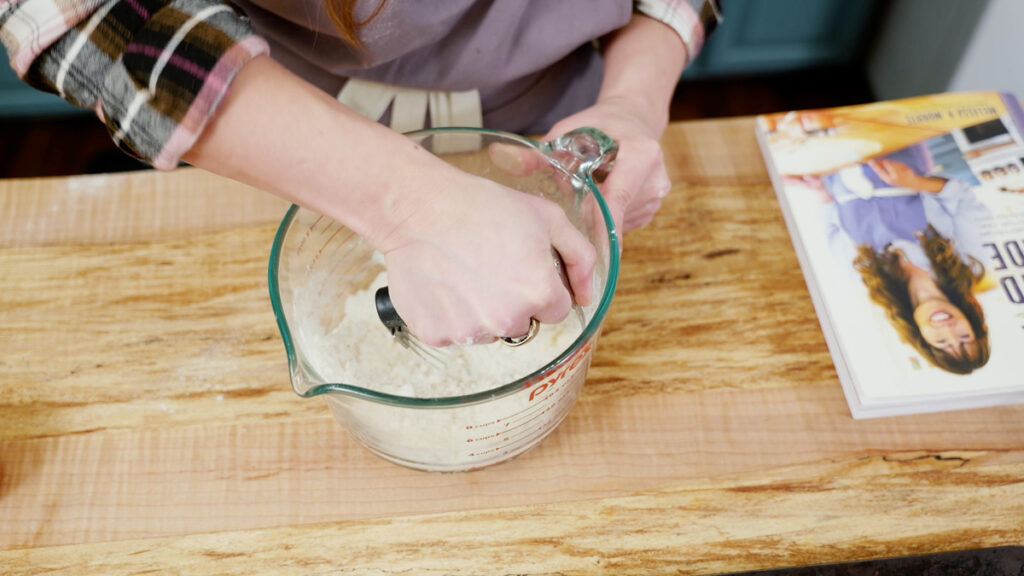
x=908, y=220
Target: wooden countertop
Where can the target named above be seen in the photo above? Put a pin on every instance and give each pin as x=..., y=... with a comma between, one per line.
x=147, y=422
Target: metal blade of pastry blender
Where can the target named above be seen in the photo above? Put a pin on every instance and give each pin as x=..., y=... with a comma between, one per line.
x=576, y=308
x=435, y=357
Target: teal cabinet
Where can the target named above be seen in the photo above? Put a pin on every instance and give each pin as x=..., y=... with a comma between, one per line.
x=17, y=99
x=764, y=36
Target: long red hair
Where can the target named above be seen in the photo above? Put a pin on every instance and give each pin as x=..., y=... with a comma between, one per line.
x=343, y=15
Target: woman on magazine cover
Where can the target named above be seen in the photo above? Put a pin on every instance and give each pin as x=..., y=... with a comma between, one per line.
x=916, y=239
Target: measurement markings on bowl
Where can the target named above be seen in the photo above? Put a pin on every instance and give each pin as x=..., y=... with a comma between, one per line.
x=305, y=236
x=563, y=377
x=524, y=418
x=532, y=424
x=508, y=442
x=330, y=239
x=513, y=424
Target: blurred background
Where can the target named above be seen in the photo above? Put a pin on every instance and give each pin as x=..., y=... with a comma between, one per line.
x=768, y=56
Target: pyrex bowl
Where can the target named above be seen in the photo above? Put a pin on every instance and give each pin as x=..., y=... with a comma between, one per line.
x=316, y=265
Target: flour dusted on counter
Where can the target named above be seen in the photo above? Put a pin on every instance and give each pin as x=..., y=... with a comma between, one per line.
x=359, y=350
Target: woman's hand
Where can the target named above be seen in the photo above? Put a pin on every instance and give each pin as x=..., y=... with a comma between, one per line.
x=467, y=259
x=643, y=61
x=473, y=260
x=638, y=181
x=895, y=173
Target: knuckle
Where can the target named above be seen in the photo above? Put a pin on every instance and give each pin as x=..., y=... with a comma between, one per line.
x=516, y=329
x=587, y=256
x=650, y=149
x=556, y=297
x=432, y=337
x=467, y=335
x=504, y=327
x=550, y=211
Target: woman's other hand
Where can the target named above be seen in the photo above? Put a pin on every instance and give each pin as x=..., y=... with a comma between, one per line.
x=643, y=61
x=638, y=181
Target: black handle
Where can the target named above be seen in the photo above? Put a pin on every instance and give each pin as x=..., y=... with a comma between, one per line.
x=386, y=310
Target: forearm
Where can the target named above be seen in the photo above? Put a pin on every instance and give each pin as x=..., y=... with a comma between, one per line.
x=643, y=62
x=280, y=134
x=153, y=72
x=929, y=184
x=452, y=273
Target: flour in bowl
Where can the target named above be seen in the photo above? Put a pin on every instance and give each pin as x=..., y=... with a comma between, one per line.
x=360, y=351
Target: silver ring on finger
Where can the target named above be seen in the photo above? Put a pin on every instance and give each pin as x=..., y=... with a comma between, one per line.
x=520, y=340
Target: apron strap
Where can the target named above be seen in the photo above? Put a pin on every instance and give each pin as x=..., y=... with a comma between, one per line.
x=410, y=107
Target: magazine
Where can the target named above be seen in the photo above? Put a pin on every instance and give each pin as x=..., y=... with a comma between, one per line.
x=908, y=220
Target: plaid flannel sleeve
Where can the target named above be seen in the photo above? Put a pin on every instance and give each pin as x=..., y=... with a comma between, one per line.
x=153, y=71
x=693, y=20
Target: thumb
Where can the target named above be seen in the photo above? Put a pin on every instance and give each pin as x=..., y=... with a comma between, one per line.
x=578, y=255
x=556, y=131
x=620, y=187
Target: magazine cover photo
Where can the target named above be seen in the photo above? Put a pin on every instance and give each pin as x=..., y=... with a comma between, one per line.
x=909, y=220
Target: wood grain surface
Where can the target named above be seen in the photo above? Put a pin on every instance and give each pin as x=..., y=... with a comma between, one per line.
x=148, y=423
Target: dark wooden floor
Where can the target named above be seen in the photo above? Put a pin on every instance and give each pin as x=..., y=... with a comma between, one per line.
x=81, y=145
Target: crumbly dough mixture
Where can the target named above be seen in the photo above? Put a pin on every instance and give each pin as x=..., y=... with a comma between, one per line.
x=359, y=350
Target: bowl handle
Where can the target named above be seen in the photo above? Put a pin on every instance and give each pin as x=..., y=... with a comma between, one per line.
x=584, y=152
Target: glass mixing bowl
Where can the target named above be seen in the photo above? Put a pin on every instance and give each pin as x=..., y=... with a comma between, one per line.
x=316, y=265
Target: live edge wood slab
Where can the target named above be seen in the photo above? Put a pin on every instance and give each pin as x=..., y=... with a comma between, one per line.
x=147, y=423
